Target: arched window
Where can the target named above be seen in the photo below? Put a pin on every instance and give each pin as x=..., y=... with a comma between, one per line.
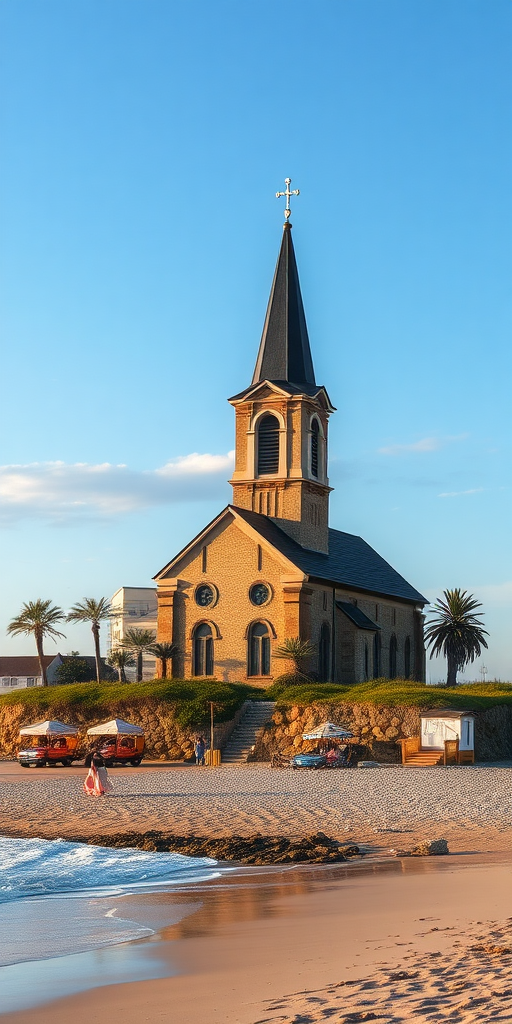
x=366, y=662
x=376, y=656
x=268, y=445
x=324, y=653
x=259, y=650
x=393, y=646
x=315, y=431
x=407, y=657
x=202, y=642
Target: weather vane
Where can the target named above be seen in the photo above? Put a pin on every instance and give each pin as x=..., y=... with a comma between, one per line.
x=289, y=192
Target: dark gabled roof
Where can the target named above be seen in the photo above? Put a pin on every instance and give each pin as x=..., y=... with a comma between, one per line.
x=284, y=353
x=292, y=389
x=356, y=615
x=21, y=665
x=351, y=562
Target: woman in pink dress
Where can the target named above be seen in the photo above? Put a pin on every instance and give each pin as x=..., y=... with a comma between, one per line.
x=97, y=782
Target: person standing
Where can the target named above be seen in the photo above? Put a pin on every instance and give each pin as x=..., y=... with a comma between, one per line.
x=199, y=749
x=97, y=782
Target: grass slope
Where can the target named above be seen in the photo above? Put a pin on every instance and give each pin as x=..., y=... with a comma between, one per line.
x=191, y=698
x=393, y=692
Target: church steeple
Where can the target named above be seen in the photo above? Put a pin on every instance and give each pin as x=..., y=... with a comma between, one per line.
x=284, y=353
x=282, y=417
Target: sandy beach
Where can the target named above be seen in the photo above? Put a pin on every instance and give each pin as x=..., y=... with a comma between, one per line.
x=426, y=940
x=385, y=807
x=384, y=938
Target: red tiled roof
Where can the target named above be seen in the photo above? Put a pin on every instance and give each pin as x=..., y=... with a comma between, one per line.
x=23, y=666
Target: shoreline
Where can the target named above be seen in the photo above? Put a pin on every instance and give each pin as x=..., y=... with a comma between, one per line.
x=328, y=936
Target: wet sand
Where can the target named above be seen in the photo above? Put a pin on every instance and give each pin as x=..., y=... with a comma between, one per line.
x=411, y=940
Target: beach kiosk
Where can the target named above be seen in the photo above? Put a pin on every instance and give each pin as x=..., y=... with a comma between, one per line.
x=47, y=743
x=447, y=736
x=118, y=741
x=328, y=739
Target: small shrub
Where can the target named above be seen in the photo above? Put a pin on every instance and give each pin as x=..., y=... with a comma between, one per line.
x=283, y=682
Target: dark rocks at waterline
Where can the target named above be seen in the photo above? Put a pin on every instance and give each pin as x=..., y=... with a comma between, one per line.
x=430, y=848
x=316, y=848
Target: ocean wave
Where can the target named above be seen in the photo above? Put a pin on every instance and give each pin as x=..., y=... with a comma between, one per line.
x=42, y=867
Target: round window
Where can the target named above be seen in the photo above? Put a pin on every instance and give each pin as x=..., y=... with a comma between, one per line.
x=259, y=593
x=205, y=595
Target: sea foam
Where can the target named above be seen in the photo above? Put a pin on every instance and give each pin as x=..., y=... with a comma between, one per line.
x=41, y=867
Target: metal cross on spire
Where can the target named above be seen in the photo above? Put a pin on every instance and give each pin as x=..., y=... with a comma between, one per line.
x=289, y=192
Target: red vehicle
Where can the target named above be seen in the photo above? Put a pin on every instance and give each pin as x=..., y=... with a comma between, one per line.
x=47, y=743
x=119, y=742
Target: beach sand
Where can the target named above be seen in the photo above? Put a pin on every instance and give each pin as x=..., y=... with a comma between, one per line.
x=412, y=940
x=384, y=807
x=425, y=939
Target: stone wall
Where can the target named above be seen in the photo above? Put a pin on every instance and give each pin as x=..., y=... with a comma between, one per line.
x=376, y=728
x=165, y=738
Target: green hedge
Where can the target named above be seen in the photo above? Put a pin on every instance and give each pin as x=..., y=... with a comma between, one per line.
x=190, y=697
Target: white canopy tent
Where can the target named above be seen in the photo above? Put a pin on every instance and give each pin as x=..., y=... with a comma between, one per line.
x=328, y=731
x=49, y=729
x=114, y=728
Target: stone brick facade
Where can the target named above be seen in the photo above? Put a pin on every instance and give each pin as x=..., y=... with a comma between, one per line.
x=293, y=496
x=230, y=559
x=204, y=593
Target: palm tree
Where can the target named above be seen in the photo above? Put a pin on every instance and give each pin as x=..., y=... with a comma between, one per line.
x=95, y=612
x=137, y=641
x=39, y=618
x=296, y=650
x=456, y=632
x=121, y=660
x=164, y=652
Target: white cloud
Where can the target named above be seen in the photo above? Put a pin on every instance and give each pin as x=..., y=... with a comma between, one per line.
x=59, y=491
x=457, y=494
x=425, y=444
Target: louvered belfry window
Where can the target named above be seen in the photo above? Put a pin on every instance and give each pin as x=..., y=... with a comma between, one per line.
x=268, y=445
x=314, y=448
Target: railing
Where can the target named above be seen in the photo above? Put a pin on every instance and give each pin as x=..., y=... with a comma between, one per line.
x=409, y=746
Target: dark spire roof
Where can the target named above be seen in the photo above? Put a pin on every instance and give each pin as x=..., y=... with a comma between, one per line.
x=284, y=352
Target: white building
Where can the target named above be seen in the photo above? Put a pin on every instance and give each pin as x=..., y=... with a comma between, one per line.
x=133, y=608
x=19, y=672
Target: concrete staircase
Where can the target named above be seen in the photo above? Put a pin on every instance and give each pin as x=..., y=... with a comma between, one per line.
x=238, y=746
x=424, y=759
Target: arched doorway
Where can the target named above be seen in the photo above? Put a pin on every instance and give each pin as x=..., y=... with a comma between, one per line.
x=268, y=445
x=376, y=656
x=202, y=653
x=324, y=653
x=258, y=654
x=393, y=647
x=315, y=431
x=407, y=657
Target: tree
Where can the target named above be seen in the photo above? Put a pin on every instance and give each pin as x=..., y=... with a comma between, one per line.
x=38, y=618
x=73, y=670
x=95, y=612
x=137, y=641
x=296, y=650
x=456, y=632
x=164, y=652
x=121, y=660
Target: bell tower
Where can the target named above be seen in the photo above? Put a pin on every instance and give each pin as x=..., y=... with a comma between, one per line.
x=282, y=417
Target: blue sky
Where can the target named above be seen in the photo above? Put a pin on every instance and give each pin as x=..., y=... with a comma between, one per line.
x=142, y=146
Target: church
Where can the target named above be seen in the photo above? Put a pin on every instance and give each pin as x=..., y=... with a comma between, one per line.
x=269, y=567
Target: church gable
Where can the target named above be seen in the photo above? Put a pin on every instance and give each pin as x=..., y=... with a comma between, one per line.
x=268, y=567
